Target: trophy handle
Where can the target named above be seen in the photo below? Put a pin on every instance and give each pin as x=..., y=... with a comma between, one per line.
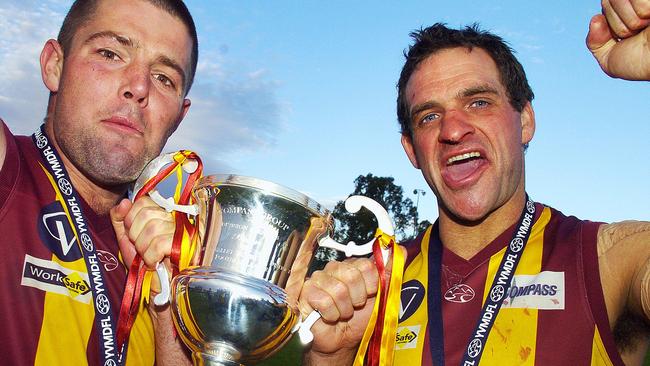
x=163, y=297
x=353, y=204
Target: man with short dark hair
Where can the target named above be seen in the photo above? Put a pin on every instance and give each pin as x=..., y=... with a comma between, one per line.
x=118, y=78
x=498, y=279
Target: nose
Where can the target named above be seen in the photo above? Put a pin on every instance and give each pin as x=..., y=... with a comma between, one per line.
x=454, y=127
x=136, y=84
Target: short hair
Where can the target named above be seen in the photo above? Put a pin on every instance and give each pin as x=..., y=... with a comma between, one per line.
x=438, y=37
x=81, y=11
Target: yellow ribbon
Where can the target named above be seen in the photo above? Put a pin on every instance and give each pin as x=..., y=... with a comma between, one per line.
x=391, y=316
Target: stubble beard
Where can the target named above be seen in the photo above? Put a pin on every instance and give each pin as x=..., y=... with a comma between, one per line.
x=106, y=163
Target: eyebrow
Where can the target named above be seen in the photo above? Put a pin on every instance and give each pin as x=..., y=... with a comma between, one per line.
x=128, y=42
x=124, y=41
x=479, y=89
x=174, y=65
x=465, y=93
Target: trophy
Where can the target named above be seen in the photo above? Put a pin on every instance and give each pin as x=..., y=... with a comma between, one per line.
x=238, y=301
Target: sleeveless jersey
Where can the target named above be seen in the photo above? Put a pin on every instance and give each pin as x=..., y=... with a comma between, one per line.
x=46, y=306
x=553, y=314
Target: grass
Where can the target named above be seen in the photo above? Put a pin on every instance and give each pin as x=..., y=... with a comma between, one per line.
x=290, y=354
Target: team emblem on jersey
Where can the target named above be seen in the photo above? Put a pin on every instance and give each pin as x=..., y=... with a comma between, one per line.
x=56, y=233
x=411, y=298
x=460, y=293
x=542, y=291
x=108, y=259
x=407, y=337
x=50, y=276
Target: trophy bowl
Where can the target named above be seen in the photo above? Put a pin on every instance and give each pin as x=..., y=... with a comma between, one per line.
x=238, y=302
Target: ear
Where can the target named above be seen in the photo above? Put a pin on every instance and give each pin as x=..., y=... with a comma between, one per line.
x=527, y=123
x=186, y=107
x=52, y=64
x=407, y=144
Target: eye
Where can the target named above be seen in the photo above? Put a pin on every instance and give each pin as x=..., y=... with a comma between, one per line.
x=431, y=117
x=167, y=82
x=480, y=103
x=108, y=54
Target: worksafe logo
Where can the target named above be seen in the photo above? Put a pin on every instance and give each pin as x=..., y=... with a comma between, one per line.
x=407, y=337
x=51, y=277
x=76, y=284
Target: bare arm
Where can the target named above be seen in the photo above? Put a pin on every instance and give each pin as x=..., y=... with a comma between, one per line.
x=170, y=350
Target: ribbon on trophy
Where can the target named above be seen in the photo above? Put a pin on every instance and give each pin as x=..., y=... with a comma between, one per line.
x=138, y=282
x=378, y=342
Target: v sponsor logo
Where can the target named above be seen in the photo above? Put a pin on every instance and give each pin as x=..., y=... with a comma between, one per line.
x=57, y=234
x=411, y=298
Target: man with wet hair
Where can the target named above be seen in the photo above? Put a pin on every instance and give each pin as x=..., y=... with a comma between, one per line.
x=498, y=279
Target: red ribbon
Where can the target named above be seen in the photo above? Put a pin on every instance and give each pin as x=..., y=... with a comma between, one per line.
x=137, y=269
x=374, y=347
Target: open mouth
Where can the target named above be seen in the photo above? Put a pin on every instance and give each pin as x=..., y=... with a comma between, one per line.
x=460, y=169
x=464, y=158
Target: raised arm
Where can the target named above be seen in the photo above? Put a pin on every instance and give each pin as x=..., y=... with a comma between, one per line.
x=619, y=39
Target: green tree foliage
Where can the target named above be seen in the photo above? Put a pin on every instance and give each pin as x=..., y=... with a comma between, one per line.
x=360, y=227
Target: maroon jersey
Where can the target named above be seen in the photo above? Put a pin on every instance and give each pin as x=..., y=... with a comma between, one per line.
x=553, y=314
x=46, y=306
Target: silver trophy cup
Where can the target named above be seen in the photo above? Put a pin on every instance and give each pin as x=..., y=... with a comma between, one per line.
x=258, y=238
x=238, y=302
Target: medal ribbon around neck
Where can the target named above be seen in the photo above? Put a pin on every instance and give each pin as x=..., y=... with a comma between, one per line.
x=378, y=342
x=494, y=300
x=184, y=244
x=104, y=317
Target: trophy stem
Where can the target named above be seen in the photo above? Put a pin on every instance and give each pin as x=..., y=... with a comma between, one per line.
x=204, y=359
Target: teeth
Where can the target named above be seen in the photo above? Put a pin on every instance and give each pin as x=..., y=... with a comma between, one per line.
x=473, y=154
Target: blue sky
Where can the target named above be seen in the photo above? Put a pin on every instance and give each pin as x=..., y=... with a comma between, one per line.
x=303, y=93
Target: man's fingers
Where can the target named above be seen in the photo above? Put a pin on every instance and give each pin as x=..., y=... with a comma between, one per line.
x=118, y=214
x=154, y=241
x=143, y=212
x=633, y=14
x=616, y=24
x=641, y=8
x=340, y=288
x=600, y=40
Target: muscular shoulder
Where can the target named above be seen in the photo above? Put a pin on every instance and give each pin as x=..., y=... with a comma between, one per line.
x=629, y=233
x=624, y=265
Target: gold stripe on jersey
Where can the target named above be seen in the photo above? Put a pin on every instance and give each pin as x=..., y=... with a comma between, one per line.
x=416, y=323
x=514, y=333
x=599, y=356
x=67, y=324
x=65, y=327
